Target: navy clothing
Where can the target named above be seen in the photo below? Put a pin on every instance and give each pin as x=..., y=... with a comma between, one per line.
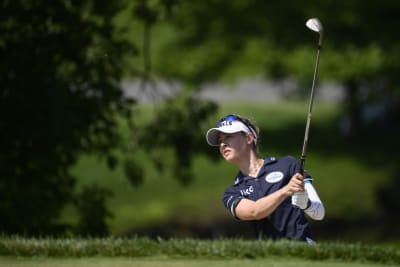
x=287, y=221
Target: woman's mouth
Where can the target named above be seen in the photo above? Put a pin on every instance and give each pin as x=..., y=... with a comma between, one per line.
x=225, y=152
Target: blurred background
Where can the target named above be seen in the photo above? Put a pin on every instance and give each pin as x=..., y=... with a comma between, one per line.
x=104, y=106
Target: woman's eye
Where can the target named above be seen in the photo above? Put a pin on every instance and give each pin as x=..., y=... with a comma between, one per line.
x=224, y=138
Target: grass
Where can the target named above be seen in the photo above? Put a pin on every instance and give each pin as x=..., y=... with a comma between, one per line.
x=189, y=250
x=165, y=262
x=345, y=175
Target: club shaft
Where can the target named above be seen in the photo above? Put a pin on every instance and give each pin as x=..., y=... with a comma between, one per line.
x=309, y=114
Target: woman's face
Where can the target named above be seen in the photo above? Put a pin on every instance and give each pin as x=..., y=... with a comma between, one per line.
x=232, y=146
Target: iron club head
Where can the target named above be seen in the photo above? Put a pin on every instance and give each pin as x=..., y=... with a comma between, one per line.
x=315, y=25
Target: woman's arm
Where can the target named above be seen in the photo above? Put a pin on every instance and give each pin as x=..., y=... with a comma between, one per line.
x=248, y=209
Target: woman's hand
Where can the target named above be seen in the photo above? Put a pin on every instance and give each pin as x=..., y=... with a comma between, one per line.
x=296, y=184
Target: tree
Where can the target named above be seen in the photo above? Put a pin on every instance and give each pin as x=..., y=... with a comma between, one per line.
x=180, y=120
x=61, y=67
x=216, y=40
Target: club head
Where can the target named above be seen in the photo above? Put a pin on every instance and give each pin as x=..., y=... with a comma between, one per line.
x=315, y=25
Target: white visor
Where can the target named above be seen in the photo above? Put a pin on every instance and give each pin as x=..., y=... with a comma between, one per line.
x=227, y=127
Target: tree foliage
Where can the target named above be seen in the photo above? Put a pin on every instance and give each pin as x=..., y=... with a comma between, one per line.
x=179, y=126
x=61, y=66
x=216, y=40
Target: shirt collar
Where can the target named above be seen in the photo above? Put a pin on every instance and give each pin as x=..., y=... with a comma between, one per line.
x=241, y=177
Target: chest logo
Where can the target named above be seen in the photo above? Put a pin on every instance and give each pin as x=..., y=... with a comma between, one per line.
x=274, y=177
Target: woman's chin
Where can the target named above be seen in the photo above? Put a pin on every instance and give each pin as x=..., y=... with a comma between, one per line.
x=229, y=159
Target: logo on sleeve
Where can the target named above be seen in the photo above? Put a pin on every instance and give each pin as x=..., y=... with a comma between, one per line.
x=247, y=191
x=274, y=177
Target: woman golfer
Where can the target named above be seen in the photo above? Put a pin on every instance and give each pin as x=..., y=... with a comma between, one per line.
x=269, y=192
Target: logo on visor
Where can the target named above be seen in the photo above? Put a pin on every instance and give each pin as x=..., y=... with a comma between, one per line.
x=225, y=123
x=274, y=177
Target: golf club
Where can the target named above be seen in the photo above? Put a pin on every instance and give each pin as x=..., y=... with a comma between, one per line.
x=315, y=25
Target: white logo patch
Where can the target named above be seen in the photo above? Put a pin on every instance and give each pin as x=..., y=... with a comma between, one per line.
x=247, y=191
x=274, y=177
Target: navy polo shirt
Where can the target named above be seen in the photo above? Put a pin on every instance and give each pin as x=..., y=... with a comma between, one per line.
x=287, y=221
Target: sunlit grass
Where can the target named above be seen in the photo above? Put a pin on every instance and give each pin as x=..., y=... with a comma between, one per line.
x=222, y=249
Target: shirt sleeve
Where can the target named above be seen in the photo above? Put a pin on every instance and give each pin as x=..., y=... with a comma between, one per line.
x=316, y=210
x=231, y=199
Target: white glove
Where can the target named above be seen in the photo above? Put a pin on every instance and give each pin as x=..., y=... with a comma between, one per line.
x=300, y=199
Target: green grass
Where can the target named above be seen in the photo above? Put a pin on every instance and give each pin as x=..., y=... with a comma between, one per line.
x=15, y=249
x=345, y=175
x=166, y=262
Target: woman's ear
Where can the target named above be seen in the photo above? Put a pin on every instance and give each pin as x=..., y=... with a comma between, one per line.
x=249, y=138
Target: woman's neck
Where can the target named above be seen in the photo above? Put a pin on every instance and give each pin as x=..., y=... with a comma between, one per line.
x=251, y=165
